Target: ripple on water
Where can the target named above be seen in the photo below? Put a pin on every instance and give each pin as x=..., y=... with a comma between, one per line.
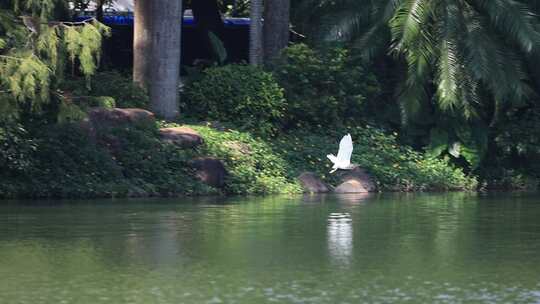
x=410, y=249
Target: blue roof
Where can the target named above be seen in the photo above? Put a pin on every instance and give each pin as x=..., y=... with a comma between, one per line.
x=188, y=20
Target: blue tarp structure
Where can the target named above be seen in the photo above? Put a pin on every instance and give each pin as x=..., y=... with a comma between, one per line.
x=118, y=49
x=188, y=20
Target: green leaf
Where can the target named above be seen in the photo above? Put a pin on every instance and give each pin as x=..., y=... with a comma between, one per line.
x=471, y=155
x=218, y=47
x=473, y=140
x=103, y=101
x=438, y=142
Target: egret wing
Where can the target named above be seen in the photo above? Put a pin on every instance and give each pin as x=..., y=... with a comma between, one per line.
x=345, y=149
x=332, y=158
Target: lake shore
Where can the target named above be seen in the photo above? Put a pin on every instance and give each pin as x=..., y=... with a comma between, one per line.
x=128, y=153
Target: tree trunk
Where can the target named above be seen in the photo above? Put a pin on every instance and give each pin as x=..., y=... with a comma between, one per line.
x=165, y=63
x=208, y=19
x=255, y=33
x=207, y=16
x=142, y=42
x=99, y=10
x=276, y=28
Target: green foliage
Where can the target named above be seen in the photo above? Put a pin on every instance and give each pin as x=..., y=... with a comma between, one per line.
x=518, y=134
x=218, y=47
x=239, y=9
x=240, y=94
x=323, y=88
x=460, y=60
x=514, y=158
x=253, y=167
x=451, y=44
x=69, y=112
x=33, y=55
x=110, y=89
x=154, y=167
x=27, y=79
x=68, y=164
x=395, y=167
x=84, y=43
x=16, y=150
x=62, y=161
x=103, y=102
x=459, y=139
x=69, y=160
x=40, y=8
x=256, y=166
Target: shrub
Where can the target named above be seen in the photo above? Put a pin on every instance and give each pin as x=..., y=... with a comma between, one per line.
x=513, y=161
x=253, y=166
x=323, y=88
x=518, y=140
x=395, y=167
x=64, y=161
x=155, y=167
x=16, y=148
x=272, y=166
x=107, y=85
x=67, y=162
x=243, y=95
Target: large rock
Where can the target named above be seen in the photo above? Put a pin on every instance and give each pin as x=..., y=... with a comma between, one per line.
x=103, y=117
x=181, y=136
x=312, y=183
x=210, y=171
x=356, y=181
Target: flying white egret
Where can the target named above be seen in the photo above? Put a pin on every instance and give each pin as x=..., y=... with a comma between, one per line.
x=343, y=159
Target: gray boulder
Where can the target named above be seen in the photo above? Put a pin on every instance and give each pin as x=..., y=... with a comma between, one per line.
x=104, y=118
x=210, y=171
x=356, y=181
x=312, y=183
x=181, y=136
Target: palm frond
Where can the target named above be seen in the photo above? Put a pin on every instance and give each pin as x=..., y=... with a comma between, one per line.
x=447, y=89
x=413, y=92
x=513, y=19
x=491, y=61
x=408, y=22
x=471, y=52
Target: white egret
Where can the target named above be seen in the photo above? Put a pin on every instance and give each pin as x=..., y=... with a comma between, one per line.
x=343, y=159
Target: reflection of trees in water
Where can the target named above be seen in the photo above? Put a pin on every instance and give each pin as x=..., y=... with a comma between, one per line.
x=257, y=232
x=446, y=233
x=407, y=232
x=120, y=233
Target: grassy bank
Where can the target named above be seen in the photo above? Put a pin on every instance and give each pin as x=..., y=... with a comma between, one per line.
x=68, y=161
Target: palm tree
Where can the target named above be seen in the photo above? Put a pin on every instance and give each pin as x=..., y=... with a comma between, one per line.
x=142, y=42
x=462, y=45
x=165, y=60
x=465, y=58
x=256, y=33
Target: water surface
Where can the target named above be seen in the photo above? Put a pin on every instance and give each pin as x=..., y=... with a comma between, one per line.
x=430, y=248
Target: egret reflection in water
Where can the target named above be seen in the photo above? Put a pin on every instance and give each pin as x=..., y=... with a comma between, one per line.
x=340, y=237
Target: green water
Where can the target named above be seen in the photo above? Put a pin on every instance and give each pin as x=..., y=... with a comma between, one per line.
x=441, y=248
